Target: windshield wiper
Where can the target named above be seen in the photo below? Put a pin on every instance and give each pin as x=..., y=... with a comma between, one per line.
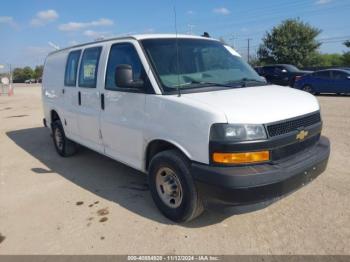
x=196, y=82
x=245, y=80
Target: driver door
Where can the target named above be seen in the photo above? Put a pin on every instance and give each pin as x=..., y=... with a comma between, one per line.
x=123, y=113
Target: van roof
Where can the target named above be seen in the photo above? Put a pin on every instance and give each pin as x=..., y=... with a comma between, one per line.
x=136, y=37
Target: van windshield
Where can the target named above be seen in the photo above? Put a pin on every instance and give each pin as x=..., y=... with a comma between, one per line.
x=198, y=63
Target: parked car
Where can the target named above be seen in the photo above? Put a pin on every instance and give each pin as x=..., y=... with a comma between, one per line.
x=281, y=74
x=30, y=81
x=259, y=70
x=325, y=81
x=204, y=129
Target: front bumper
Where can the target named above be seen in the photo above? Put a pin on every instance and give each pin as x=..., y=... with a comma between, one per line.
x=245, y=185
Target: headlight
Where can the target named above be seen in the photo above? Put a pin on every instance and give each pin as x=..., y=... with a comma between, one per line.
x=235, y=132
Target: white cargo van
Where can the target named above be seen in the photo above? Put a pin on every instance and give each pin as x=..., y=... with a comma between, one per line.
x=188, y=112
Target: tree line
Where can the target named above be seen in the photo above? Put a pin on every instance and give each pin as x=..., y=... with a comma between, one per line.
x=295, y=42
x=19, y=75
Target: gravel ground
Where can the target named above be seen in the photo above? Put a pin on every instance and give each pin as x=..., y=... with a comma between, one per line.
x=89, y=204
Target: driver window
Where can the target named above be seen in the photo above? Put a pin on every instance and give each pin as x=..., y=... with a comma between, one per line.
x=124, y=53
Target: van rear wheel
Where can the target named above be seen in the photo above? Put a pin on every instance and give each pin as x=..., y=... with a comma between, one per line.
x=63, y=145
x=172, y=187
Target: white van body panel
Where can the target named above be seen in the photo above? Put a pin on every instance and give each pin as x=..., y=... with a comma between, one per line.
x=53, y=82
x=183, y=122
x=131, y=121
x=257, y=105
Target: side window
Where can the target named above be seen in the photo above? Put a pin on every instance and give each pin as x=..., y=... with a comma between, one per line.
x=124, y=53
x=322, y=74
x=338, y=75
x=70, y=76
x=269, y=70
x=88, y=67
x=280, y=70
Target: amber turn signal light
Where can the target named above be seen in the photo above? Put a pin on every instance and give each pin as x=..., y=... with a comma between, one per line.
x=241, y=158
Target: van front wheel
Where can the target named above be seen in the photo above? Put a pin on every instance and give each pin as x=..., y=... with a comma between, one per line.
x=172, y=187
x=63, y=145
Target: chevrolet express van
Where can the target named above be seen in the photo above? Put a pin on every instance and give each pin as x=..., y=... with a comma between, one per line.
x=188, y=112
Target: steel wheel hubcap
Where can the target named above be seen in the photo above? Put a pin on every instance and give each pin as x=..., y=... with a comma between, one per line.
x=169, y=187
x=59, y=139
x=307, y=89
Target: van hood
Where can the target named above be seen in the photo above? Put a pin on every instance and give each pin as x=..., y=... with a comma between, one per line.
x=258, y=105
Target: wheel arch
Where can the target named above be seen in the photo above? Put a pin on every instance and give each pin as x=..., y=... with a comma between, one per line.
x=307, y=84
x=54, y=115
x=156, y=146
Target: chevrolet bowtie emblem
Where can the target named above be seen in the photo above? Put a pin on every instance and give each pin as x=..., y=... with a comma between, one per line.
x=302, y=134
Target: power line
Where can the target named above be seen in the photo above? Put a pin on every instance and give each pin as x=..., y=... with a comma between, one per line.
x=271, y=18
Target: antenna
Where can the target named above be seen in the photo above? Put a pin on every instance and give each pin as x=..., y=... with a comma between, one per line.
x=53, y=45
x=177, y=53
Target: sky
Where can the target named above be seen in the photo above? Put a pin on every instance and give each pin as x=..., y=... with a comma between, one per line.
x=29, y=29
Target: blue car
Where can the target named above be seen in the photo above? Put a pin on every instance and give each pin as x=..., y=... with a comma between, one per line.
x=325, y=81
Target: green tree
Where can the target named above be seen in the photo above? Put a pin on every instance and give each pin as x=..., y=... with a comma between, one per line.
x=293, y=42
x=22, y=74
x=28, y=72
x=327, y=60
x=346, y=56
x=38, y=72
x=17, y=75
x=347, y=43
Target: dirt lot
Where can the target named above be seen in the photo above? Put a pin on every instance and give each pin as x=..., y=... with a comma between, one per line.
x=89, y=204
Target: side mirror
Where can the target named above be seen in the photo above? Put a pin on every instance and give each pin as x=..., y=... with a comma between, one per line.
x=348, y=77
x=124, y=77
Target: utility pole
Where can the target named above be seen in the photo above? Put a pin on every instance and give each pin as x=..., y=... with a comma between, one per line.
x=248, y=55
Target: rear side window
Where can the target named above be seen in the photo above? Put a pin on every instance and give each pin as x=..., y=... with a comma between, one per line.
x=70, y=77
x=322, y=74
x=124, y=53
x=269, y=70
x=89, y=67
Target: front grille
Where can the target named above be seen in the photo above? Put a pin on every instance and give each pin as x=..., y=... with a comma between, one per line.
x=292, y=125
x=293, y=149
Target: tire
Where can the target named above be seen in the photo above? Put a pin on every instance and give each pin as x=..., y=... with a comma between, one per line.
x=63, y=145
x=291, y=82
x=170, y=171
x=308, y=88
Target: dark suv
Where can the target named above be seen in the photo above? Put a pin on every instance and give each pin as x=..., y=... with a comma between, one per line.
x=281, y=74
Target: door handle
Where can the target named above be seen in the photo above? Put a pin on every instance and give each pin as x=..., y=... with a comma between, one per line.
x=103, y=101
x=63, y=91
x=79, y=98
